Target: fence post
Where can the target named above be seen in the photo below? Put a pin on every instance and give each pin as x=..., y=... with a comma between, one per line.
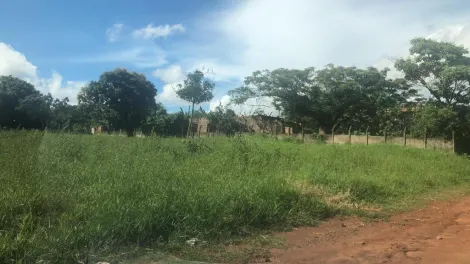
x=367, y=135
x=349, y=134
x=404, y=136
x=385, y=135
x=425, y=138
x=453, y=141
x=199, y=131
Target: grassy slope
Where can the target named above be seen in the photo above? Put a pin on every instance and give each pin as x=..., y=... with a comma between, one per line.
x=66, y=195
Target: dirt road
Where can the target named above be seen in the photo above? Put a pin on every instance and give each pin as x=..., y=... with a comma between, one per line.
x=439, y=233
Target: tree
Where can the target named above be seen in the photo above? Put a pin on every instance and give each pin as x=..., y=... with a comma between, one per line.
x=176, y=123
x=118, y=100
x=358, y=97
x=436, y=121
x=196, y=89
x=442, y=68
x=21, y=105
x=61, y=115
x=225, y=120
x=335, y=97
x=157, y=120
x=292, y=91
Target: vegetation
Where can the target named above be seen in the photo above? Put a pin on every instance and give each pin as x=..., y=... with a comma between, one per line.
x=68, y=197
x=434, y=91
x=225, y=120
x=71, y=197
x=118, y=100
x=196, y=89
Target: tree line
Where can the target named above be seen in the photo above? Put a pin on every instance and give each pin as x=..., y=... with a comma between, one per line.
x=431, y=95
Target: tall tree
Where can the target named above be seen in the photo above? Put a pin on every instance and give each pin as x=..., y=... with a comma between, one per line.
x=62, y=114
x=334, y=97
x=196, y=89
x=21, y=105
x=358, y=97
x=224, y=120
x=292, y=91
x=436, y=121
x=157, y=121
x=120, y=99
x=442, y=68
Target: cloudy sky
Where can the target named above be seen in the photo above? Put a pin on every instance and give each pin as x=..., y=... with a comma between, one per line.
x=61, y=45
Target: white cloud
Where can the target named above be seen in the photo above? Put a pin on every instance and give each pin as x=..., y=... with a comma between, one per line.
x=60, y=89
x=220, y=71
x=304, y=33
x=171, y=74
x=146, y=56
x=168, y=96
x=457, y=33
x=152, y=32
x=15, y=63
x=113, y=33
x=317, y=32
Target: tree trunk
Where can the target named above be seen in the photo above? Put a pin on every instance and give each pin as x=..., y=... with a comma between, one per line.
x=189, y=123
x=130, y=132
x=190, y=128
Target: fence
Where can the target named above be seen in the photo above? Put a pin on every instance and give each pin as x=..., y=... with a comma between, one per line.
x=441, y=144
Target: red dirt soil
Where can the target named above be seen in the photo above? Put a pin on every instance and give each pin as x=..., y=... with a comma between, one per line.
x=439, y=233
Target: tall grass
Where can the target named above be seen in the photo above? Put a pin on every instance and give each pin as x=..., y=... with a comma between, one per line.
x=64, y=197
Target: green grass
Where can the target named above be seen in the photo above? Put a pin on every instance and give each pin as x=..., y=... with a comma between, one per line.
x=65, y=198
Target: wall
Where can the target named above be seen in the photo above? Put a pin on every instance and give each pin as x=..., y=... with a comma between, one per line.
x=432, y=143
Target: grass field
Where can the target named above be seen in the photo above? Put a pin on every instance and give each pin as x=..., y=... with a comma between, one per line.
x=64, y=197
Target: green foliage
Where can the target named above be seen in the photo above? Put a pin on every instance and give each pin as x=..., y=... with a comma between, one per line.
x=438, y=122
x=21, y=105
x=196, y=89
x=290, y=89
x=440, y=67
x=332, y=97
x=157, y=121
x=68, y=197
x=118, y=100
x=319, y=138
x=293, y=140
x=224, y=120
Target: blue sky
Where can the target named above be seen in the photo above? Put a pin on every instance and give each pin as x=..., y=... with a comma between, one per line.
x=61, y=45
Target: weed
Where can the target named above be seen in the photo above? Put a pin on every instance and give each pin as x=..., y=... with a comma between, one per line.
x=66, y=198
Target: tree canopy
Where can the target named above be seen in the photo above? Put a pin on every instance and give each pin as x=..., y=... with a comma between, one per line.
x=442, y=68
x=119, y=100
x=334, y=97
x=433, y=95
x=21, y=105
x=196, y=89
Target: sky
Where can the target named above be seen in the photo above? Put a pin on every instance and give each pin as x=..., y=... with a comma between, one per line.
x=59, y=46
